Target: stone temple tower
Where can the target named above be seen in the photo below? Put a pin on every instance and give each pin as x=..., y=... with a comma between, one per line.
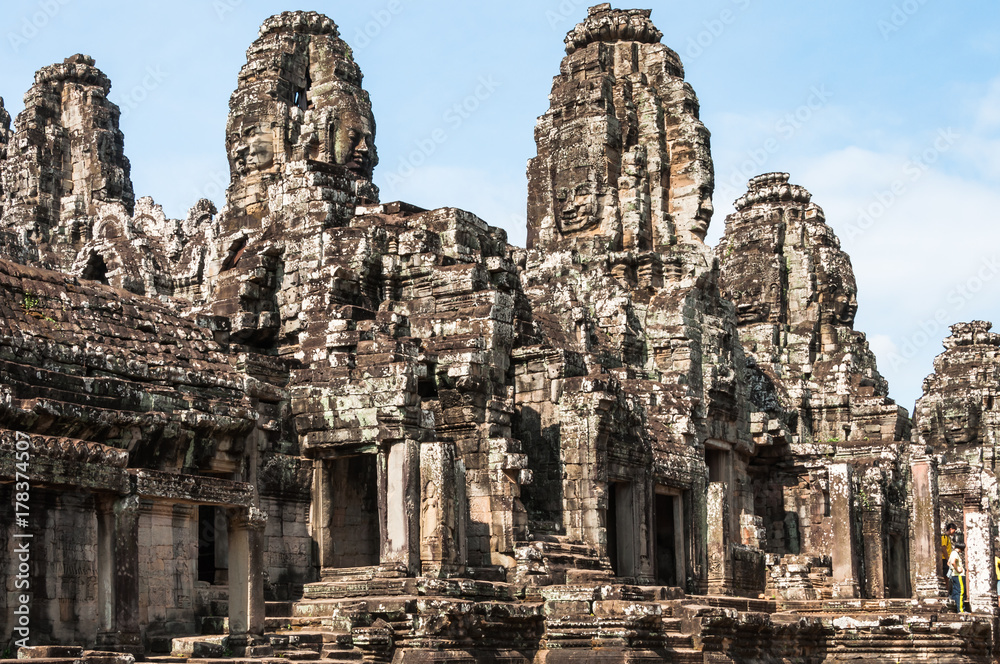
x=623, y=160
x=67, y=159
x=300, y=139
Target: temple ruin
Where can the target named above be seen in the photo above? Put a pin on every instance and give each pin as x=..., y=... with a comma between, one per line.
x=311, y=425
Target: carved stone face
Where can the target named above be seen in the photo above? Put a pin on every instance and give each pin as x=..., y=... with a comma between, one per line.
x=353, y=142
x=252, y=151
x=703, y=217
x=260, y=155
x=960, y=420
x=845, y=309
x=579, y=211
x=837, y=309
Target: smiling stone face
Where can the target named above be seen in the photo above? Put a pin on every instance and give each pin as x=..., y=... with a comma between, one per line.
x=579, y=211
x=703, y=215
x=353, y=141
x=260, y=155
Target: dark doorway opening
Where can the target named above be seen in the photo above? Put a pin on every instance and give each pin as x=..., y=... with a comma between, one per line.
x=898, y=582
x=666, y=541
x=354, y=520
x=716, y=462
x=621, y=531
x=213, y=545
x=612, y=529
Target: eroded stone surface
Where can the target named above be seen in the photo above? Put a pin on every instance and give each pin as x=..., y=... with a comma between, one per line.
x=321, y=425
x=819, y=397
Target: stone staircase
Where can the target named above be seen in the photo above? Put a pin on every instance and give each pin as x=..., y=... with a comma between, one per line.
x=296, y=638
x=213, y=615
x=552, y=560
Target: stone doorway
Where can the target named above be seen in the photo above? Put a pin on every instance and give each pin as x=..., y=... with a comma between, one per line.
x=898, y=574
x=354, y=518
x=621, y=531
x=213, y=545
x=669, y=537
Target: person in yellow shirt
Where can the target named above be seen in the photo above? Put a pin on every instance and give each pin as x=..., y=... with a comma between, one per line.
x=947, y=544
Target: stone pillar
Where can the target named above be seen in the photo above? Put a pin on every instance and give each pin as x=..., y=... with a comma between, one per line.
x=845, y=576
x=626, y=526
x=720, y=569
x=646, y=571
x=979, y=579
x=873, y=544
x=399, y=509
x=320, y=517
x=925, y=549
x=246, y=583
x=440, y=545
x=105, y=567
x=118, y=575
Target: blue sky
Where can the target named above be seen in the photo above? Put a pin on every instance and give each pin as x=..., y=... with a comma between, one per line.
x=888, y=111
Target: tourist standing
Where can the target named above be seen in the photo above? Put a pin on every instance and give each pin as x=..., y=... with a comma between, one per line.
x=956, y=570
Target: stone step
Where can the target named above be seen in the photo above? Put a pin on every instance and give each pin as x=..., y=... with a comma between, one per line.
x=745, y=604
x=305, y=640
x=678, y=641
x=209, y=625
x=342, y=654
x=45, y=660
x=49, y=652
x=325, y=608
x=288, y=624
x=297, y=623
x=350, y=574
x=278, y=608
x=686, y=655
x=572, y=560
x=672, y=625
x=585, y=576
x=223, y=660
x=219, y=607
x=299, y=655
x=199, y=647
x=340, y=589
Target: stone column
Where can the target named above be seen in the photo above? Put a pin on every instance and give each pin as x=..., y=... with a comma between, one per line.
x=105, y=568
x=246, y=583
x=720, y=569
x=980, y=582
x=626, y=527
x=118, y=574
x=440, y=548
x=845, y=576
x=399, y=509
x=873, y=545
x=925, y=550
x=646, y=571
x=320, y=517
